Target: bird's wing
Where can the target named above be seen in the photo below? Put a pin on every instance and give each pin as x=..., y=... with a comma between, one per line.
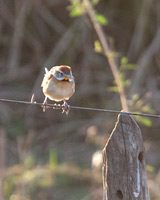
x=47, y=77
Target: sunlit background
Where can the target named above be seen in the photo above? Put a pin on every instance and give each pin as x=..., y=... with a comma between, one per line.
x=48, y=155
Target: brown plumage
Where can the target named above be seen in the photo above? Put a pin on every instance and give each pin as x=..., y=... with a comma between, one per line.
x=58, y=83
x=65, y=69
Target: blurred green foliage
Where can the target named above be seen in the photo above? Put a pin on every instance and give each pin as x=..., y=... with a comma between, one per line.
x=97, y=47
x=76, y=8
x=49, y=155
x=16, y=127
x=53, y=159
x=63, y=178
x=101, y=19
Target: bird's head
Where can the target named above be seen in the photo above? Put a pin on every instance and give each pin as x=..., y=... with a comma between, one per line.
x=62, y=73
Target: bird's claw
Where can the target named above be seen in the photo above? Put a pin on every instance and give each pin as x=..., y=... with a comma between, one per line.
x=44, y=106
x=57, y=106
x=65, y=108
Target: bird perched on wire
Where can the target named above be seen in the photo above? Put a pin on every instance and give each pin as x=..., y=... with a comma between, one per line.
x=58, y=85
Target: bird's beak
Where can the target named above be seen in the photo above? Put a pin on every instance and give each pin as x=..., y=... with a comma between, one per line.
x=66, y=78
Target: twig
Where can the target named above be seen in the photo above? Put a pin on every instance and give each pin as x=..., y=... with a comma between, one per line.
x=59, y=106
x=6, y=14
x=107, y=52
x=50, y=19
x=144, y=63
x=138, y=35
x=17, y=39
x=2, y=161
x=8, y=17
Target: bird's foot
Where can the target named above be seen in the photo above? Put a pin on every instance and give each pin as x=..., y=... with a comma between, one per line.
x=56, y=106
x=65, y=108
x=44, y=105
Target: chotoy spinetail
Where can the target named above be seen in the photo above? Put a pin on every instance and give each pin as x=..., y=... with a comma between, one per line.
x=58, y=85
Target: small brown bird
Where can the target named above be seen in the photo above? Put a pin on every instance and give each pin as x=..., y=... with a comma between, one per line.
x=58, y=85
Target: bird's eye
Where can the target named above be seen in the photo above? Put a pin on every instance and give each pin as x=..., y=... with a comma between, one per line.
x=61, y=73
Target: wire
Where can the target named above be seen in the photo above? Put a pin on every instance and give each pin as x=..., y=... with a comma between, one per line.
x=58, y=106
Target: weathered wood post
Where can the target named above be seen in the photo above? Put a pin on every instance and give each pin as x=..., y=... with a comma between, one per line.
x=124, y=174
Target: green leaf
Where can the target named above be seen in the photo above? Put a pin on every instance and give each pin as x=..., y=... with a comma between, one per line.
x=135, y=97
x=76, y=12
x=147, y=108
x=113, y=89
x=150, y=168
x=125, y=65
x=112, y=54
x=94, y=2
x=130, y=66
x=76, y=8
x=139, y=104
x=124, y=61
x=97, y=46
x=124, y=81
x=101, y=19
x=145, y=121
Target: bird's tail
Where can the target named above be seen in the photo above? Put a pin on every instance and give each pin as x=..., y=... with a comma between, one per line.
x=45, y=77
x=46, y=70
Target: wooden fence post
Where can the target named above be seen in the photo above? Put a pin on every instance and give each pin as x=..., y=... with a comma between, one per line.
x=124, y=173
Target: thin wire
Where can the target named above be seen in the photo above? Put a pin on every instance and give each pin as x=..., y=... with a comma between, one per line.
x=58, y=106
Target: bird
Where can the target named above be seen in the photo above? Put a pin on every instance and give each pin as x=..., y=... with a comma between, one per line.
x=58, y=85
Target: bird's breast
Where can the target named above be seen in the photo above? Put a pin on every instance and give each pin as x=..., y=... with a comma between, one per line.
x=59, y=90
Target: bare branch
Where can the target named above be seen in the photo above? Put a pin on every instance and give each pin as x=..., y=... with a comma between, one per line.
x=50, y=19
x=139, y=32
x=107, y=53
x=144, y=63
x=16, y=43
x=2, y=161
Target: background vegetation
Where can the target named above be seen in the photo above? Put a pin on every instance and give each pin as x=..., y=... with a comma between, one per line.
x=49, y=155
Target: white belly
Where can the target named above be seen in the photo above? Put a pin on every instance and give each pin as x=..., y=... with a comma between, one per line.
x=60, y=91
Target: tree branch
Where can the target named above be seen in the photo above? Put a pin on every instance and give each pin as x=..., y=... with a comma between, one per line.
x=144, y=63
x=107, y=52
x=16, y=43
